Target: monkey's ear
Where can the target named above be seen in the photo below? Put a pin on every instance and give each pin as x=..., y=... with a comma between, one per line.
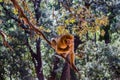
x=53, y=39
x=53, y=42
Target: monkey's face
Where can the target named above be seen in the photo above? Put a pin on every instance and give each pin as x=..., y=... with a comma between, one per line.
x=70, y=42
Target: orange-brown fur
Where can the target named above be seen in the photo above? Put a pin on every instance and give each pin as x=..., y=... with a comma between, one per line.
x=64, y=46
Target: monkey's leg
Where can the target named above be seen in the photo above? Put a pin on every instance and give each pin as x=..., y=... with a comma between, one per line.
x=72, y=58
x=72, y=63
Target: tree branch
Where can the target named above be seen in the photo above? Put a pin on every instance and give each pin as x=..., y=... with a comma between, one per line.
x=5, y=43
x=26, y=21
x=66, y=71
x=29, y=47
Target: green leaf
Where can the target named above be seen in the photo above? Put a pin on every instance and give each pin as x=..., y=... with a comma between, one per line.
x=1, y=0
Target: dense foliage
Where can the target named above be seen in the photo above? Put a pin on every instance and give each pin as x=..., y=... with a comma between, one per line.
x=25, y=55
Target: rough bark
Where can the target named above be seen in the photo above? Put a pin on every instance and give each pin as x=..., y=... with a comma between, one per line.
x=39, y=70
x=65, y=72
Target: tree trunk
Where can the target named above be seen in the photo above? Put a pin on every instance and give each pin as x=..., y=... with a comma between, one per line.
x=66, y=71
x=36, y=58
x=39, y=70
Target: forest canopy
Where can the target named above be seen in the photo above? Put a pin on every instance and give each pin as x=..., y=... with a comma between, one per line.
x=28, y=27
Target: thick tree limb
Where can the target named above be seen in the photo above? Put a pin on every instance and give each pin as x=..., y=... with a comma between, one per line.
x=39, y=61
x=66, y=71
x=26, y=21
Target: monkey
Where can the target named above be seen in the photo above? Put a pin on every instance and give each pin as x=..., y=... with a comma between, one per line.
x=64, y=46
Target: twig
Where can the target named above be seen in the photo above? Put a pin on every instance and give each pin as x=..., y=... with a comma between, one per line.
x=5, y=43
